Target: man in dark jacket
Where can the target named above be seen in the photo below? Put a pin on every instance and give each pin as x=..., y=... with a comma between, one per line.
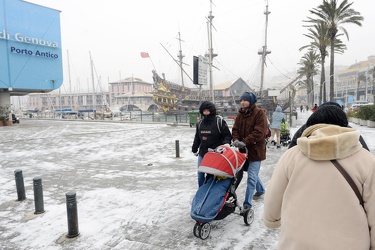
x=250, y=128
x=211, y=132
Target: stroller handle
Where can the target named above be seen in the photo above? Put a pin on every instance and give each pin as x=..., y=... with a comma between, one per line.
x=246, y=150
x=241, y=146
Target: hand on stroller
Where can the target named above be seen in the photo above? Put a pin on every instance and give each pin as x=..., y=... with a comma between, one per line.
x=238, y=144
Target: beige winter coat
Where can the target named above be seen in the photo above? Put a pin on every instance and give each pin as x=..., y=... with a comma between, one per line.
x=312, y=201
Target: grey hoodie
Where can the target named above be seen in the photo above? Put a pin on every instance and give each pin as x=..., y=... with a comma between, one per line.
x=277, y=117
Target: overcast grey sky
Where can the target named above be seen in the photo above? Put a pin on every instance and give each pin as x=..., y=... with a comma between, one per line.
x=116, y=31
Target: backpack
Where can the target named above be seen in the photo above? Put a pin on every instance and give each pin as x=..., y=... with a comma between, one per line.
x=219, y=123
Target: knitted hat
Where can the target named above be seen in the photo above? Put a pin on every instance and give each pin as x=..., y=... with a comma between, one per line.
x=332, y=103
x=328, y=114
x=250, y=97
x=208, y=105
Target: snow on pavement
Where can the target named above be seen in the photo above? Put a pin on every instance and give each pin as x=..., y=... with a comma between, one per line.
x=132, y=191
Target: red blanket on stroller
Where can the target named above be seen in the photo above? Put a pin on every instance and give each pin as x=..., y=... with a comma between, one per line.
x=223, y=161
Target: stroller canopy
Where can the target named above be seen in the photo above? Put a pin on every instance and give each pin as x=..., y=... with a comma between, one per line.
x=223, y=161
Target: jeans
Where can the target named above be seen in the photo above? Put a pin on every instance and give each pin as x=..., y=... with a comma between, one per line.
x=201, y=176
x=253, y=182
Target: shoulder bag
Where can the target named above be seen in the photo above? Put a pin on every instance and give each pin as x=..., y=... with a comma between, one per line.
x=349, y=180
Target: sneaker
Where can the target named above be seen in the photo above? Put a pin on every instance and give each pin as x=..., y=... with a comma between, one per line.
x=257, y=195
x=278, y=147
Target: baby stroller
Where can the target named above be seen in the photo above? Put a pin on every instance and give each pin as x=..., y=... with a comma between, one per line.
x=285, y=134
x=216, y=198
x=285, y=139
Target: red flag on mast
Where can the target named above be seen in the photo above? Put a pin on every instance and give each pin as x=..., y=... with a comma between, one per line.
x=144, y=55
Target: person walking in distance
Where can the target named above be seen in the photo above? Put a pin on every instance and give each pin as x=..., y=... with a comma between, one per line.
x=314, y=108
x=211, y=132
x=277, y=118
x=250, y=127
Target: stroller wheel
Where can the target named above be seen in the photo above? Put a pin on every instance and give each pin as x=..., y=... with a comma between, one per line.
x=249, y=217
x=204, y=231
x=196, y=229
x=273, y=143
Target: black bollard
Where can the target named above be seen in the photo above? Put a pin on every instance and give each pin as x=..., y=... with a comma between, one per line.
x=20, y=185
x=38, y=195
x=71, y=208
x=177, y=148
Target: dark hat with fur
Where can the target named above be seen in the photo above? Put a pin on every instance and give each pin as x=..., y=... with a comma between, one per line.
x=250, y=97
x=208, y=105
x=328, y=114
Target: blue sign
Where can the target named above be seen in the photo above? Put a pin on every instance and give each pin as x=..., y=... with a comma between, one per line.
x=350, y=99
x=340, y=101
x=30, y=47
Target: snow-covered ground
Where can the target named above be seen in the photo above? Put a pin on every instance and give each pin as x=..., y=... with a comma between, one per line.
x=132, y=191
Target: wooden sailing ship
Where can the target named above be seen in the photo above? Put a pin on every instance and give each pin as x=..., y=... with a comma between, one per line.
x=174, y=98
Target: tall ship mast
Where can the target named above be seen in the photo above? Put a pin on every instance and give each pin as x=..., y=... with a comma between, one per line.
x=180, y=57
x=210, y=53
x=263, y=52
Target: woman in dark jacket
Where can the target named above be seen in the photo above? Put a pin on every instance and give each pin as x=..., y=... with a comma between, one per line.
x=211, y=132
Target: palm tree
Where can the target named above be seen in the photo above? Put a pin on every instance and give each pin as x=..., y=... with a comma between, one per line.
x=320, y=41
x=309, y=68
x=335, y=15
